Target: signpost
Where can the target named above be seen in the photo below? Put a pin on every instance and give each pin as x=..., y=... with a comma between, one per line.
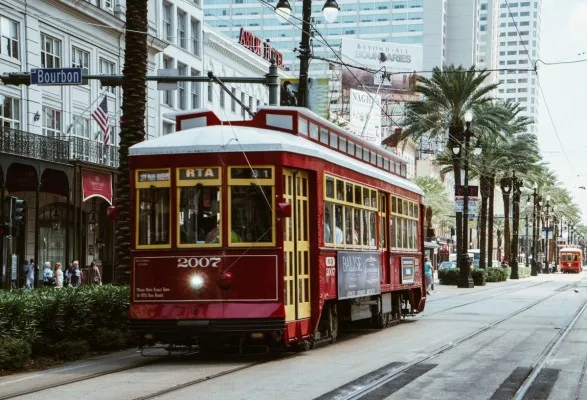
x=473, y=192
x=56, y=76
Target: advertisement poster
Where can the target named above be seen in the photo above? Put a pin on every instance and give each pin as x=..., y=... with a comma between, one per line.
x=365, y=115
x=408, y=270
x=318, y=92
x=358, y=274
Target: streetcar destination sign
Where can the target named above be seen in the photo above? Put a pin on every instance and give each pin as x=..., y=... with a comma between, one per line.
x=56, y=76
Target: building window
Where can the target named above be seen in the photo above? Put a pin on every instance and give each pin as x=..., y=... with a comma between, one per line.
x=222, y=103
x=251, y=103
x=243, y=106
x=168, y=94
x=168, y=128
x=8, y=37
x=51, y=122
x=195, y=90
x=50, y=52
x=233, y=101
x=181, y=34
x=181, y=87
x=167, y=24
x=107, y=68
x=9, y=112
x=81, y=128
x=195, y=36
x=210, y=93
x=80, y=59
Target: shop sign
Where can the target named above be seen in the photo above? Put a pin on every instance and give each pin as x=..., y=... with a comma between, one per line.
x=97, y=184
x=260, y=47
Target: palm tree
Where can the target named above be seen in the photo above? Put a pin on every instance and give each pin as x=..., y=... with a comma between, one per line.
x=132, y=125
x=448, y=95
x=436, y=198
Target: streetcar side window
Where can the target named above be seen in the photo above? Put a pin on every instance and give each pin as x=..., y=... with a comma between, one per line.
x=404, y=224
x=351, y=148
x=563, y=257
x=328, y=213
x=313, y=131
x=251, y=205
x=153, y=223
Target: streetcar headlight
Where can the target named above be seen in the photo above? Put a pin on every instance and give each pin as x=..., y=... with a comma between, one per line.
x=196, y=282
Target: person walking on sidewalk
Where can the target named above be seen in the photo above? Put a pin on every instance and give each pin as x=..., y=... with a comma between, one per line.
x=428, y=274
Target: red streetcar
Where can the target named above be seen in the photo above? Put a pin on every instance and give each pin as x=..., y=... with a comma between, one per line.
x=571, y=259
x=269, y=232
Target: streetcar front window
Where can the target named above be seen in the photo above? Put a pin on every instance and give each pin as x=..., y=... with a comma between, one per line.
x=251, y=214
x=153, y=216
x=199, y=215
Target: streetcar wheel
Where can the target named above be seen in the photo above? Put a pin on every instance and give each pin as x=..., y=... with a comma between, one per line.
x=380, y=319
x=304, y=345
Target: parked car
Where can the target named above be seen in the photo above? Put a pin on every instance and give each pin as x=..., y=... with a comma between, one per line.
x=447, y=265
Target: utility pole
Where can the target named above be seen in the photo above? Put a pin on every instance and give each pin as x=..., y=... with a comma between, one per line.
x=304, y=51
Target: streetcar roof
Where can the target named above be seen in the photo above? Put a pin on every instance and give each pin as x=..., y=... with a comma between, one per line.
x=237, y=139
x=570, y=250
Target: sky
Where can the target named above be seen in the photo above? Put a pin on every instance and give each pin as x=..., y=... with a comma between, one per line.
x=564, y=38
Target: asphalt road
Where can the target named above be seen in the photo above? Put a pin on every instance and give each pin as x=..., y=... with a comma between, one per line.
x=517, y=339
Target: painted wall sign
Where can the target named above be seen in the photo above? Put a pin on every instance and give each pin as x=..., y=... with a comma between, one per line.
x=260, y=47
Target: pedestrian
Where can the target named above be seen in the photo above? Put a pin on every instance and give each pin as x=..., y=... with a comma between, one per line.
x=428, y=274
x=29, y=273
x=75, y=276
x=58, y=275
x=95, y=277
x=48, y=277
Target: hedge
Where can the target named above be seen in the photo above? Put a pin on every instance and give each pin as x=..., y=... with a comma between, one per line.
x=62, y=323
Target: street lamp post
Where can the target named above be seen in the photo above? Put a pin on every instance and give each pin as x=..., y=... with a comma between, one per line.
x=465, y=279
x=517, y=187
x=527, y=245
x=283, y=10
x=547, y=227
x=535, y=206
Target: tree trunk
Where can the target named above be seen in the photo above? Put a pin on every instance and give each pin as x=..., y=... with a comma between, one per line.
x=506, y=226
x=483, y=222
x=132, y=125
x=491, y=181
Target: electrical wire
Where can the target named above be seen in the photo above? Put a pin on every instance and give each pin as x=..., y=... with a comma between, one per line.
x=540, y=86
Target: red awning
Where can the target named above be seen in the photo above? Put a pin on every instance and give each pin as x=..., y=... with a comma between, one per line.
x=96, y=184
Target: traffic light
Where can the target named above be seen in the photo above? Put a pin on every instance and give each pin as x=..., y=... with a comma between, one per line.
x=16, y=78
x=18, y=206
x=5, y=222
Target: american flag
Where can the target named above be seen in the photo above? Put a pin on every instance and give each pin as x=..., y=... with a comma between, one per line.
x=101, y=117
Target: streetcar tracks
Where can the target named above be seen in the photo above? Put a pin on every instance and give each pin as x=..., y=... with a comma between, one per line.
x=538, y=369
x=367, y=389
x=486, y=298
x=77, y=379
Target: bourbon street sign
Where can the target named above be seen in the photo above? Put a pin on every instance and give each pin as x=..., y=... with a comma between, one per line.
x=260, y=47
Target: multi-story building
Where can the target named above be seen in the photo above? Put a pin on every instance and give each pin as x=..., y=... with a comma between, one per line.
x=52, y=152
x=518, y=49
x=224, y=57
x=488, y=43
x=446, y=28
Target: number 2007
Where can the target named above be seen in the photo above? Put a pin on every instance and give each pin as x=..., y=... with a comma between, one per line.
x=330, y=271
x=198, y=262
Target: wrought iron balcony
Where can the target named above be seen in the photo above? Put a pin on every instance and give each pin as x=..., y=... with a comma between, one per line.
x=82, y=149
x=26, y=144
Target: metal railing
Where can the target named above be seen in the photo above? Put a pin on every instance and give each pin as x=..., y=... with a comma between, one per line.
x=27, y=144
x=82, y=149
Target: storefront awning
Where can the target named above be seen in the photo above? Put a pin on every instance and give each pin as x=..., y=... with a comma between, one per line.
x=96, y=184
x=431, y=245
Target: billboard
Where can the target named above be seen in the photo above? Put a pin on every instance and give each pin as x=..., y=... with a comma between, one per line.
x=318, y=94
x=365, y=115
x=394, y=62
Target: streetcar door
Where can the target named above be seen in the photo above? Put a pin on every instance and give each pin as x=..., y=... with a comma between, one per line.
x=296, y=246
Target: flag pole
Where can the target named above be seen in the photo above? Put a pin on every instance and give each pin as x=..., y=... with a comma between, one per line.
x=75, y=117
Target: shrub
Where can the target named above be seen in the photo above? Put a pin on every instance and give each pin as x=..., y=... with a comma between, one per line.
x=498, y=274
x=68, y=349
x=524, y=272
x=479, y=276
x=448, y=276
x=54, y=320
x=14, y=353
